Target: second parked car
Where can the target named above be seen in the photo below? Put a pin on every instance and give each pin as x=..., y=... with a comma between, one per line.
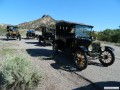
x=30, y=34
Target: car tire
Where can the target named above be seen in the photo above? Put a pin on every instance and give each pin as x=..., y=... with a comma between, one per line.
x=80, y=59
x=55, y=48
x=19, y=37
x=7, y=36
x=107, y=57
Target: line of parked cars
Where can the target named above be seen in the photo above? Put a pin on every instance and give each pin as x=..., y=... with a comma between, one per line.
x=13, y=33
x=76, y=38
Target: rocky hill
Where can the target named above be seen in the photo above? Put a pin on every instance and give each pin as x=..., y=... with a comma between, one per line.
x=45, y=20
x=3, y=26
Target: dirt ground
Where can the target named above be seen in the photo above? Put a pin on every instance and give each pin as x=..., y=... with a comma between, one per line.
x=57, y=70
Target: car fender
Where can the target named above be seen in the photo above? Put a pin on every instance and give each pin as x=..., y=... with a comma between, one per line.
x=82, y=48
x=106, y=48
x=109, y=48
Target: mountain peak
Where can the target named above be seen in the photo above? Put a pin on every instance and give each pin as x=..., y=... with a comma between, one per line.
x=45, y=20
x=45, y=16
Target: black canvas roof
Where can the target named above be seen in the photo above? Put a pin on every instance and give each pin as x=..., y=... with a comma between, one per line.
x=12, y=26
x=62, y=22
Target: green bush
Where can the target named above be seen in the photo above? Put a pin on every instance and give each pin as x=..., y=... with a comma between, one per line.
x=2, y=31
x=110, y=35
x=18, y=74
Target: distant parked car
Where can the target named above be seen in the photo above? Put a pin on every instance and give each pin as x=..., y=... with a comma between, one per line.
x=47, y=35
x=12, y=32
x=30, y=34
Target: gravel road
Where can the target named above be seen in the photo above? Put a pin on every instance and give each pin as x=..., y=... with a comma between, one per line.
x=59, y=71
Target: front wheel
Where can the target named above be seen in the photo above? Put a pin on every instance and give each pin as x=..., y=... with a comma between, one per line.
x=107, y=58
x=26, y=35
x=80, y=59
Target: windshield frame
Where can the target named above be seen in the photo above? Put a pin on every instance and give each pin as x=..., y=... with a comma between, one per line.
x=83, y=31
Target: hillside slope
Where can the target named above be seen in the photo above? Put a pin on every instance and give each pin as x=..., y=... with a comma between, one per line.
x=45, y=20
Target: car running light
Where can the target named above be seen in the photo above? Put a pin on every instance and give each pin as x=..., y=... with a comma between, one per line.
x=90, y=48
x=103, y=48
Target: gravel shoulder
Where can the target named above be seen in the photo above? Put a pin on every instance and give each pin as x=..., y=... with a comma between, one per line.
x=57, y=70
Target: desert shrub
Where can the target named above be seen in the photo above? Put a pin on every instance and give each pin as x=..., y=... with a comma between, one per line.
x=23, y=32
x=2, y=31
x=6, y=51
x=18, y=74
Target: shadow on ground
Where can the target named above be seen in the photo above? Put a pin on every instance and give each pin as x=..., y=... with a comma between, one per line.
x=39, y=44
x=11, y=39
x=62, y=60
x=2, y=81
x=95, y=63
x=100, y=86
x=29, y=38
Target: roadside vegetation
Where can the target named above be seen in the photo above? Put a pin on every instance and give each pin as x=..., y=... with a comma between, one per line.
x=17, y=71
x=110, y=35
x=22, y=31
x=2, y=31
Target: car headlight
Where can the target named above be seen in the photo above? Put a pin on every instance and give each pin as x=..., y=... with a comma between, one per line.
x=103, y=48
x=90, y=48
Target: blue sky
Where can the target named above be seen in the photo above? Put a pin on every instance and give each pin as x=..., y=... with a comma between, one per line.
x=101, y=14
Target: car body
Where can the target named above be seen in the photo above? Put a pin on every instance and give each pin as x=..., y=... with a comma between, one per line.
x=47, y=35
x=30, y=33
x=76, y=38
x=12, y=32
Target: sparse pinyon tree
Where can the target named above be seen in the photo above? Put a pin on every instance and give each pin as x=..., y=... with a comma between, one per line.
x=110, y=35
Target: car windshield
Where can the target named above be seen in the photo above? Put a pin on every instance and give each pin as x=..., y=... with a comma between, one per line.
x=82, y=31
x=13, y=28
x=31, y=31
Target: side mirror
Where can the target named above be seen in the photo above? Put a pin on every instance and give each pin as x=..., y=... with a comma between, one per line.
x=91, y=37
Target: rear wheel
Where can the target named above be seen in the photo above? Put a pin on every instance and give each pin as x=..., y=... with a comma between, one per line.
x=39, y=38
x=80, y=59
x=26, y=36
x=55, y=48
x=7, y=36
x=19, y=37
x=44, y=42
x=107, y=58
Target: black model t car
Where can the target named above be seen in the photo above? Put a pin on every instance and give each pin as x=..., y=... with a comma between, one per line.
x=47, y=35
x=12, y=32
x=76, y=38
x=30, y=34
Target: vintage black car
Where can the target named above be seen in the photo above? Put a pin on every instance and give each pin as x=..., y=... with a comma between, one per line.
x=12, y=32
x=76, y=38
x=47, y=35
x=30, y=33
